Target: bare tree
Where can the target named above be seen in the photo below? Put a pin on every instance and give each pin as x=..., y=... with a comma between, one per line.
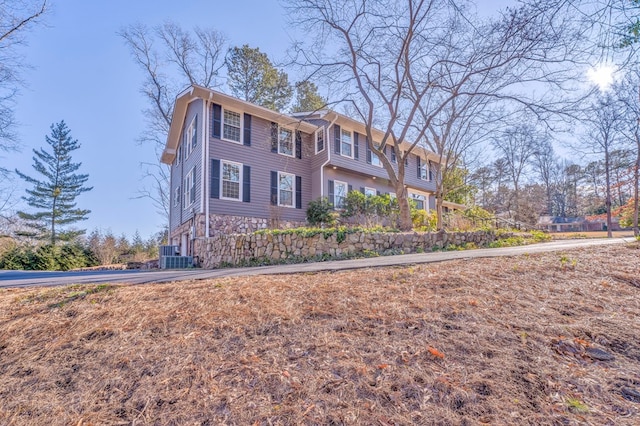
x=545, y=164
x=417, y=69
x=170, y=58
x=16, y=18
x=629, y=93
x=517, y=145
x=601, y=138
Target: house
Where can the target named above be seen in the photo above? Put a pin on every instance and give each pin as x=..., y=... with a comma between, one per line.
x=570, y=224
x=237, y=167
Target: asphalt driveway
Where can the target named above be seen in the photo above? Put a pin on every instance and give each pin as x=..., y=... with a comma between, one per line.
x=48, y=278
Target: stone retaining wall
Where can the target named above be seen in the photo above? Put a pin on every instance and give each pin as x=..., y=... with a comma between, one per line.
x=239, y=249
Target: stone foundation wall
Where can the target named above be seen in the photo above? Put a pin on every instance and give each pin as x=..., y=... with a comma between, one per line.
x=238, y=249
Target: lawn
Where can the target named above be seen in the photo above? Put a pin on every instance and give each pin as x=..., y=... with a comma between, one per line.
x=529, y=340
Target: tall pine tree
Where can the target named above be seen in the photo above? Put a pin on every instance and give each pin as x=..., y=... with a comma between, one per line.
x=53, y=197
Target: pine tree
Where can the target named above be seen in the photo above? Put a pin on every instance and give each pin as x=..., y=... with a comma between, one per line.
x=54, y=196
x=307, y=97
x=253, y=78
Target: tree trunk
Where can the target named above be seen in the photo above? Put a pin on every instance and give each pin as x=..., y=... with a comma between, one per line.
x=439, y=211
x=404, y=221
x=607, y=174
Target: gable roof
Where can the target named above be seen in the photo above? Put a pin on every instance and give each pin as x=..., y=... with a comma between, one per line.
x=194, y=92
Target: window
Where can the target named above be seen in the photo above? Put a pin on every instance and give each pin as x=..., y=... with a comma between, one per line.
x=231, y=178
x=419, y=200
x=340, y=193
x=319, y=140
x=190, y=138
x=231, y=125
x=346, y=143
x=285, y=141
x=423, y=171
x=189, y=186
x=370, y=192
x=375, y=160
x=176, y=196
x=286, y=189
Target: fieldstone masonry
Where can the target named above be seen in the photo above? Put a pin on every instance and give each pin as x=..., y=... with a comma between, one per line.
x=236, y=249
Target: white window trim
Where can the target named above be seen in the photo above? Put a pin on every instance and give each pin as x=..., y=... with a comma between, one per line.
x=240, y=180
x=293, y=142
x=188, y=135
x=293, y=192
x=176, y=196
x=222, y=124
x=368, y=189
x=373, y=154
x=336, y=183
x=324, y=142
x=186, y=191
x=342, y=130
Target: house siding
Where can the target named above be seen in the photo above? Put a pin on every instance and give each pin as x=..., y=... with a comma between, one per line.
x=178, y=214
x=262, y=161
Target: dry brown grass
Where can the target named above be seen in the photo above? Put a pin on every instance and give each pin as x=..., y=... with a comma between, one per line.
x=488, y=341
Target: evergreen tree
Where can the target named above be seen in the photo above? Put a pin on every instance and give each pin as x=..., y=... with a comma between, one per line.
x=253, y=78
x=53, y=197
x=307, y=97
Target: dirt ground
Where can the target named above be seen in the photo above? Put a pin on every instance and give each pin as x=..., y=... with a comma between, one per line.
x=545, y=339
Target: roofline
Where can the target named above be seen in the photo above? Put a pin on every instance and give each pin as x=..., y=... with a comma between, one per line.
x=194, y=92
x=361, y=128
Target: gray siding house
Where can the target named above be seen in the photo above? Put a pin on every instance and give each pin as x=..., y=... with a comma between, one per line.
x=238, y=167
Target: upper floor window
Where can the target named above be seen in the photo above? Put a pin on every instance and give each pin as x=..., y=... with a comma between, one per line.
x=231, y=125
x=375, y=160
x=424, y=175
x=231, y=178
x=189, y=194
x=190, y=137
x=319, y=140
x=285, y=141
x=286, y=189
x=346, y=143
x=340, y=193
x=176, y=196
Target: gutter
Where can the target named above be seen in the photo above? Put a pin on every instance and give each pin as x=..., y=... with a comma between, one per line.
x=328, y=146
x=207, y=103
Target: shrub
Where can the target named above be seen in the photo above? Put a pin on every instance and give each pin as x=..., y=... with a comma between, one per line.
x=46, y=257
x=320, y=212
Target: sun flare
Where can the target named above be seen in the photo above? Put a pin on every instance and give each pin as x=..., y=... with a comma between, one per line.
x=602, y=76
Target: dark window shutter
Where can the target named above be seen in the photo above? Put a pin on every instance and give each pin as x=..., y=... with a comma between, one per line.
x=356, y=153
x=377, y=192
x=362, y=189
x=368, y=152
x=418, y=162
x=406, y=158
x=298, y=192
x=274, y=137
x=393, y=154
x=429, y=170
x=246, y=184
x=217, y=120
x=298, y=144
x=331, y=200
x=215, y=178
x=336, y=134
x=349, y=188
x=247, y=130
x=274, y=188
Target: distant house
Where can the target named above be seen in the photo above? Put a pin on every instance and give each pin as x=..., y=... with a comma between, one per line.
x=570, y=224
x=237, y=167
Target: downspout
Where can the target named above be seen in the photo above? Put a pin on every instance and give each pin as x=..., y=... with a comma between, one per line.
x=328, y=146
x=207, y=138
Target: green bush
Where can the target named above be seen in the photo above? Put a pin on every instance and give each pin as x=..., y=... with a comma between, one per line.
x=46, y=257
x=320, y=212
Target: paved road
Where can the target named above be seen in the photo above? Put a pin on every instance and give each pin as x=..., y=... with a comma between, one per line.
x=40, y=278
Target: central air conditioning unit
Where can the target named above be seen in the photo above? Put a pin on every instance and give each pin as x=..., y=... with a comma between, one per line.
x=176, y=262
x=169, y=251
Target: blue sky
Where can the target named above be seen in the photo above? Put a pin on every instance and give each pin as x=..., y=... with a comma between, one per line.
x=83, y=74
